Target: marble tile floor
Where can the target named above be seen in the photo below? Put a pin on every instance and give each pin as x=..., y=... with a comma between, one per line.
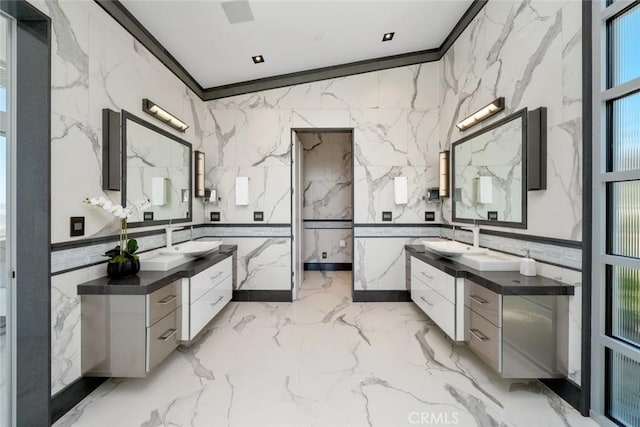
x=322, y=361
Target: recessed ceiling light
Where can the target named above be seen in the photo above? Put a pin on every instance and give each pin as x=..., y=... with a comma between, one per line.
x=258, y=59
x=387, y=37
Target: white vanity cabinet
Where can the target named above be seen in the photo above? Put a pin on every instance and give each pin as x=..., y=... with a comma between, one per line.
x=440, y=296
x=204, y=295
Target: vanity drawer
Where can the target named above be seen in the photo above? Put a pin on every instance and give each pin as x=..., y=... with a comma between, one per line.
x=484, y=339
x=483, y=301
x=162, y=302
x=211, y=278
x=162, y=339
x=438, y=308
x=437, y=280
x=206, y=307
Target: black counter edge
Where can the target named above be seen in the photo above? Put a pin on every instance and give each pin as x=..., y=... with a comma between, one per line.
x=564, y=289
x=170, y=277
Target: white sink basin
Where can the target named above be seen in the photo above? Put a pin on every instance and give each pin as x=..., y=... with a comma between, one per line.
x=193, y=249
x=491, y=261
x=161, y=262
x=452, y=249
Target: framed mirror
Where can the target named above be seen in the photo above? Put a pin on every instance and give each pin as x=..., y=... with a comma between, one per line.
x=489, y=174
x=156, y=166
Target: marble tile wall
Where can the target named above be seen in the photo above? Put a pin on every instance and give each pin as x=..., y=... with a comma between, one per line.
x=318, y=240
x=394, y=115
x=327, y=163
x=328, y=193
x=96, y=64
x=530, y=53
x=264, y=263
x=65, y=325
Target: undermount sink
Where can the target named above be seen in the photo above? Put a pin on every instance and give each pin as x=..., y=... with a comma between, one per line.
x=193, y=249
x=452, y=248
x=161, y=262
x=491, y=261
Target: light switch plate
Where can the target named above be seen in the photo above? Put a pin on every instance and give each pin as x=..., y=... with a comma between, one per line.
x=76, y=226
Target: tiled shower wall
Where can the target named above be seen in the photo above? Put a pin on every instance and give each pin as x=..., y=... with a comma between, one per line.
x=327, y=198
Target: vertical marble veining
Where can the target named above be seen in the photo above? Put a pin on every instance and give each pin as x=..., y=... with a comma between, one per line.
x=529, y=53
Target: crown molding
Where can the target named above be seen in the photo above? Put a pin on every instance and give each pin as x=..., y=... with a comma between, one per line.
x=131, y=24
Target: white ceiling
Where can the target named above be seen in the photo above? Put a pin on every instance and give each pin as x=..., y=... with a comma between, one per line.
x=291, y=35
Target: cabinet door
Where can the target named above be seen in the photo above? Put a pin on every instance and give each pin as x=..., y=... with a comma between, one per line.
x=438, y=308
x=439, y=281
x=208, y=305
x=212, y=277
x=162, y=339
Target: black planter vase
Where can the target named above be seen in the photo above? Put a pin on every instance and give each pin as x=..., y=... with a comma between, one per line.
x=122, y=270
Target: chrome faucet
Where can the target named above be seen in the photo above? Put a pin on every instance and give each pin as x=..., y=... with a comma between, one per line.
x=475, y=229
x=169, y=230
x=453, y=234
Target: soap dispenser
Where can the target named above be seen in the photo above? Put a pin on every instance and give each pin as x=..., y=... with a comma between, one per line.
x=528, y=266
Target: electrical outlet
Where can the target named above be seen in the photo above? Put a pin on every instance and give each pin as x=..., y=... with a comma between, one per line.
x=429, y=216
x=387, y=215
x=324, y=255
x=492, y=215
x=258, y=216
x=147, y=216
x=214, y=216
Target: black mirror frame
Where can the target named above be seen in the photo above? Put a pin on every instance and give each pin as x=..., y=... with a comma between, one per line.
x=129, y=116
x=521, y=114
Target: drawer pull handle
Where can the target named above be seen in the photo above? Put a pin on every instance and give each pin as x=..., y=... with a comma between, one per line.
x=167, y=334
x=424, y=273
x=427, y=302
x=477, y=299
x=167, y=300
x=212, y=278
x=479, y=335
x=217, y=301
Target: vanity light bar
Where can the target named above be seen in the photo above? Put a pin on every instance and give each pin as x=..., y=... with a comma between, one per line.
x=163, y=115
x=482, y=114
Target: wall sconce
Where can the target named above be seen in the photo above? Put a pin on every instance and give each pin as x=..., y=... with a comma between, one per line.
x=111, y=150
x=482, y=114
x=161, y=114
x=444, y=174
x=199, y=174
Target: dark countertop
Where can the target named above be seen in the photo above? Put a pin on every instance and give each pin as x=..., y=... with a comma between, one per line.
x=501, y=282
x=146, y=282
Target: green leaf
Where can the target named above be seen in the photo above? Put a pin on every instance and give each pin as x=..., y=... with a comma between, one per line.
x=132, y=246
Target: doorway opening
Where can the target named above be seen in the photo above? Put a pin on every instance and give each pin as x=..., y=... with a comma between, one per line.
x=322, y=203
